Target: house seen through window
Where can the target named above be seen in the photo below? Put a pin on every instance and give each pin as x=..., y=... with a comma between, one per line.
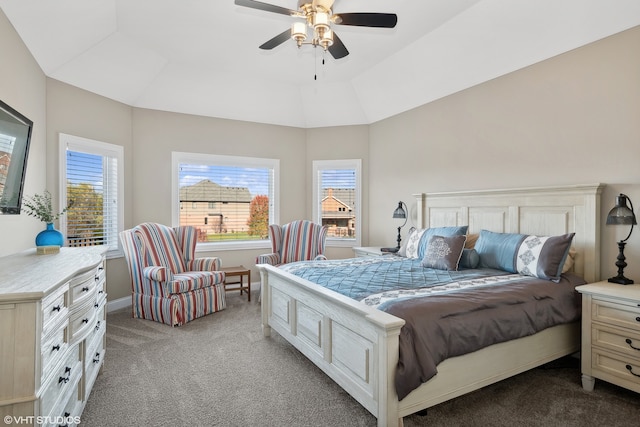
x=337, y=200
x=226, y=198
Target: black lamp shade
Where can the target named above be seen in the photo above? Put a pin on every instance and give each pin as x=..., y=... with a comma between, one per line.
x=621, y=213
x=400, y=212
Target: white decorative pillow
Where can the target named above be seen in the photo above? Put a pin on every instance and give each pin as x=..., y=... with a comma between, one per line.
x=413, y=243
x=543, y=257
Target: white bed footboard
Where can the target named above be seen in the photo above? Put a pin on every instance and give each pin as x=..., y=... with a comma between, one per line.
x=355, y=345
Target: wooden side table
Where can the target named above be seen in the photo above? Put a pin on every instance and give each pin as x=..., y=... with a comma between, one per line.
x=237, y=274
x=610, y=334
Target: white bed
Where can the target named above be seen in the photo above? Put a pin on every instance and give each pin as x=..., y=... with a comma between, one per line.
x=357, y=346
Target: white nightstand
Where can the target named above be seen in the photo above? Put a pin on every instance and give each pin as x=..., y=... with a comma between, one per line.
x=364, y=251
x=610, y=334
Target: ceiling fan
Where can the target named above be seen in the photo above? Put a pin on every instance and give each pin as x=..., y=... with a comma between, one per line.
x=318, y=16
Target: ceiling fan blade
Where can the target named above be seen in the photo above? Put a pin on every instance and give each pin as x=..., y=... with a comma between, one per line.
x=337, y=49
x=380, y=20
x=265, y=6
x=276, y=41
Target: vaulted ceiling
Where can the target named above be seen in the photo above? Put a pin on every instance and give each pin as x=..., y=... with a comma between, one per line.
x=202, y=57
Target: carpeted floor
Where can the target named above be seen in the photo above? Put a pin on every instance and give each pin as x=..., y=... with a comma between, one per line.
x=220, y=371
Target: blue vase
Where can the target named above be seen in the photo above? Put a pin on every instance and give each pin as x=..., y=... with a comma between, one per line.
x=49, y=237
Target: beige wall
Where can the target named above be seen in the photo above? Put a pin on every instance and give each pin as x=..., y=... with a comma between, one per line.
x=573, y=119
x=570, y=119
x=23, y=87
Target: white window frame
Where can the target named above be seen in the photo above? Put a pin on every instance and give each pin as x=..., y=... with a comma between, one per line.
x=350, y=164
x=99, y=148
x=219, y=160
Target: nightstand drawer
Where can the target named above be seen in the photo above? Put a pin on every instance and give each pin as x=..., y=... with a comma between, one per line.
x=618, y=366
x=624, y=341
x=619, y=313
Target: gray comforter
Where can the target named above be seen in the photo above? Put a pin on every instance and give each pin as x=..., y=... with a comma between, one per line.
x=442, y=326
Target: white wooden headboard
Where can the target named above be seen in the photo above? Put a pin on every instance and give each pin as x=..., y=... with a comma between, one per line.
x=542, y=211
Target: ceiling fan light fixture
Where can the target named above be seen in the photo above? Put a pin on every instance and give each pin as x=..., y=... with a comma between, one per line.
x=320, y=22
x=299, y=32
x=326, y=40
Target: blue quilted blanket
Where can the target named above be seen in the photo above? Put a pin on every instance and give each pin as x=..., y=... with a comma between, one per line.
x=364, y=279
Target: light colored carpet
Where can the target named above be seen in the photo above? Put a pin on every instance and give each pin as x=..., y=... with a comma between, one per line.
x=220, y=371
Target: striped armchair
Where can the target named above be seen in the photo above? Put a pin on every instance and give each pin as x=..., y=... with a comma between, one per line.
x=299, y=240
x=169, y=285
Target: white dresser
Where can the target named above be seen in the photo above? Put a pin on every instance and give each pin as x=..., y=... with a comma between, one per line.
x=610, y=334
x=52, y=334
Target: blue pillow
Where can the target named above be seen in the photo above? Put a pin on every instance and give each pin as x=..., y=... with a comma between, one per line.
x=439, y=231
x=469, y=259
x=499, y=250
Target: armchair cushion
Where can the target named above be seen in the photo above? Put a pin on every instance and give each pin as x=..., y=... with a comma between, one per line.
x=190, y=280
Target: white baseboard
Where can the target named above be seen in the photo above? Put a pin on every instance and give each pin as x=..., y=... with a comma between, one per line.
x=119, y=303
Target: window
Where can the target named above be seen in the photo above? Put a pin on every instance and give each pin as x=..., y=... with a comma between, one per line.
x=93, y=188
x=337, y=200
x=230, y=200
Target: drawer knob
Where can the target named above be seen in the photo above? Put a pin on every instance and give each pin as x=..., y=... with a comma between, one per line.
x=65, y=379
x=56, y=308
x=628, y=341
x=55, y=347
x=630, y=369
x=638, y=319
x=98, y=325
x=85, y=289
x=97, y=358
x=85, y=320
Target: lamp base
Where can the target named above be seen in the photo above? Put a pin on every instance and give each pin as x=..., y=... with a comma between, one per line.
x=621, y=280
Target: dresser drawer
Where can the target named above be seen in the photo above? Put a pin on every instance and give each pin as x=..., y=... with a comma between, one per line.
x=82, y=288
x=69, y=415
x=99, y=329
x=53, y=348
x=82, y=321
x=62, y=383
x=54, y=309
x=619, y=313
